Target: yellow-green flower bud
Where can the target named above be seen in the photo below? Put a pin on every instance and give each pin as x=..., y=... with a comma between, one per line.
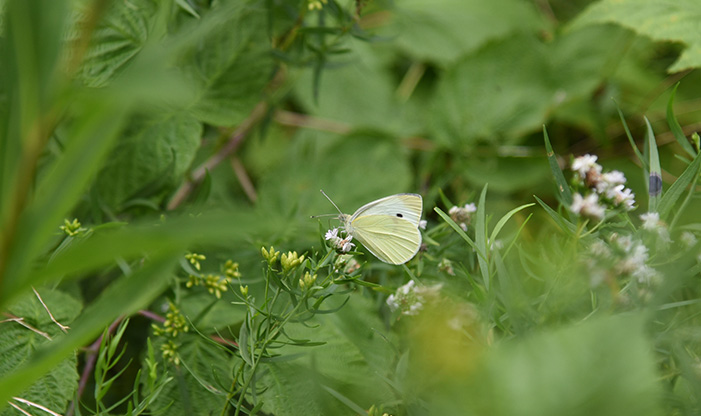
x=290, y=260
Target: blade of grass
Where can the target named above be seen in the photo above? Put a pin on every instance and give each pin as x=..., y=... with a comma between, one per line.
x=505, y=218
x=481, y=236
x=675, y=127
x=689, y=177
x=123, y=297
x=655, y=179
x=563, y=189
x=565, y=225
x=642, y=160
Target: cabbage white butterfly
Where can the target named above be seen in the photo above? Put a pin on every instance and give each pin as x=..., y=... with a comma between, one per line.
x=387, y=227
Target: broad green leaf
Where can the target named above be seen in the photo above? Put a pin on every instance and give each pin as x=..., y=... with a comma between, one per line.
x=123, y=297
x=661, y=20
x=120, y=35
x=445, y=30
x=485, y=98
x=55, y=388
x=151, y=154
x=230, y=66
x=550, y=373
x=366, y=88
x=505, y=174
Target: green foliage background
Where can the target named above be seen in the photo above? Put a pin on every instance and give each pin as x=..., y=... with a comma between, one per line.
x=209, y=126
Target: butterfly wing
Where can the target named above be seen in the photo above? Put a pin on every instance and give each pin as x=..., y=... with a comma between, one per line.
x=404, y=206
x=390, y=238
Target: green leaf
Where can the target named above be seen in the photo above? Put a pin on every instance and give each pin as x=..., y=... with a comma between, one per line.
x=482, y=97
x=660, y=20
x=230, y=66
x=481, y=237
x=689, y=176
x=565, y=225
x=675, y=127
x=123, y=297
x=502, y=221
x=119, y=36
x=445, y=30
x=563, y=188
x=151, y=153
x=655, y=182
x=55, y=388
x=550, y=373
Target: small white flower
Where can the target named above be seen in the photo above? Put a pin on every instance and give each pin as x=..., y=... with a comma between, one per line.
x=621, y=196
x=422, y=224
x=651, y=220
x=462, y=215
x=600, y=249
x=346, y=244
x=614, y=178
x=584, y=164
x=331, y=234
x=688, y=238
x=588, y=206
x=409, y=299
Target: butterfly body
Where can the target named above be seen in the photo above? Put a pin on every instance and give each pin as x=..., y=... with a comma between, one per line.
x=388, y=227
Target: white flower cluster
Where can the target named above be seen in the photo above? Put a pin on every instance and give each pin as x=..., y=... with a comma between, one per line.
x=342, y=244
x=604, y=190
x=624, y=256
x=462, y=215
x=409, y=299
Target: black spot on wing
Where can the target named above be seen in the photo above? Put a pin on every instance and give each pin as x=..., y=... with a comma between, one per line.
x=400, y=215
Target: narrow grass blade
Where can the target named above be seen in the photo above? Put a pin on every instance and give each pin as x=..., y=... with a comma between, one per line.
x=639, y=155
x=675, y=127
x=504, y=219
x=565, y=225
x=123, y=297
x=563, y=189
x=655, y=180
x=689, y=177
x=481, y=236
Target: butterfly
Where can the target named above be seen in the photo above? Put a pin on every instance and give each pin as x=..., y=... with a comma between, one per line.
x=387, y=227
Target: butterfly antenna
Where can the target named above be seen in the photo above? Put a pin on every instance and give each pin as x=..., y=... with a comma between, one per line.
x=331, y=201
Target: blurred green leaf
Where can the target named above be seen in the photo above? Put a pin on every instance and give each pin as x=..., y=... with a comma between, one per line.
x=151, y=150
x=602, y=367
x=563, y=188
x=119, y=35
x=661, y=20
x=483, y=97
x=445, y=30
x=689, y=177
x=675, y=127
x=57, y=386
x=230, y=66
x=123, y=297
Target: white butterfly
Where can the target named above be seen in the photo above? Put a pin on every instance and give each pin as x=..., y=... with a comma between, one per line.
x=387, y=227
